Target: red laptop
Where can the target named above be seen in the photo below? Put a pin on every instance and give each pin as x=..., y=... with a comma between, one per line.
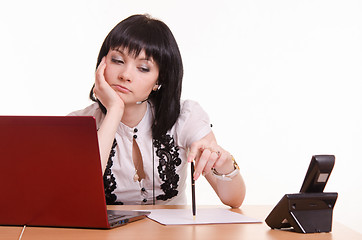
x=50, y=174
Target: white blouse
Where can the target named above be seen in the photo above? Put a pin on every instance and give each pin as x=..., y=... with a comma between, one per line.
x=164, y=162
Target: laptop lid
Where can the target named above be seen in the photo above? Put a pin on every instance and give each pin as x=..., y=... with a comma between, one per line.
x=50, y=172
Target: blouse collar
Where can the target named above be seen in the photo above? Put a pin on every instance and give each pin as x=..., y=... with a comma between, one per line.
x=142, y=127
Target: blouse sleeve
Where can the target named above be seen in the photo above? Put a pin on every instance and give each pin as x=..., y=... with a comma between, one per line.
x=92, y=110
x=192, y=124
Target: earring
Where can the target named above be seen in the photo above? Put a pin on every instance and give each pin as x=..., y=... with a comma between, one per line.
x=156, y=87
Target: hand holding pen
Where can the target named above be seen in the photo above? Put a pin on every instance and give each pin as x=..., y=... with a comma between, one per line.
x=207, y=154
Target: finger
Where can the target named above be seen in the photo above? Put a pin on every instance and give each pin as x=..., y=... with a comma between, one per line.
x=102, y=64
x=100, y=70
x=194, y=152
x=103, y=61
x=101, y=84
x=222, y=159
x=210, y=163
x=200, y=164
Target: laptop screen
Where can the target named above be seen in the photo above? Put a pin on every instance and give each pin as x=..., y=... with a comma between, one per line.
x=50, y=172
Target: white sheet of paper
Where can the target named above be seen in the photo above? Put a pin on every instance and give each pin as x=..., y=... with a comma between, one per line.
x=203, y=216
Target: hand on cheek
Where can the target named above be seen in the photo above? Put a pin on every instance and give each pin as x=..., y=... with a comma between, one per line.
x=103, y=91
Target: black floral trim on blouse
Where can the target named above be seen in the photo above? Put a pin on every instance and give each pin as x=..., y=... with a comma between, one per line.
x=109, y=180
x=168, y=160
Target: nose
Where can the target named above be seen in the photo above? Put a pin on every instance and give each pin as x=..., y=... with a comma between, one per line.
x=125, y=73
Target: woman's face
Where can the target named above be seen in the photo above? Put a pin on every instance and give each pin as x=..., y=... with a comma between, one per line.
x=133, y=78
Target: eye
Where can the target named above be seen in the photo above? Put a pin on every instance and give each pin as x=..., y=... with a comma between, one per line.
x=144, y=69
x=117, y=60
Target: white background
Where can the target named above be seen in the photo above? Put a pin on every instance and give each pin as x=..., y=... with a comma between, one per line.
x=281, y=80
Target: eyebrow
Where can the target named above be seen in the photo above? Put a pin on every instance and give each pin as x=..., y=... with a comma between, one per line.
x=143, y=59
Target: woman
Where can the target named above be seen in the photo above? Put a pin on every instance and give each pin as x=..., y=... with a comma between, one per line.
x=146, y=134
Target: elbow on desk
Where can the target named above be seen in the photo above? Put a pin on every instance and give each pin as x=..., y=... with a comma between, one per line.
x=236, y=201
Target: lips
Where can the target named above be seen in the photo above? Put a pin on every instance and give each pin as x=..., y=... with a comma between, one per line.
x=121, y=89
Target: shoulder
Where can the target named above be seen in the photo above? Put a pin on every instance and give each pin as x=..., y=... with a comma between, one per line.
x=190, y=111
x=92, y=110
x=190, y=106
x=192, y=124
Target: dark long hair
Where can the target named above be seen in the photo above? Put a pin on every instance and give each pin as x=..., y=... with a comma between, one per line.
x=141, y=32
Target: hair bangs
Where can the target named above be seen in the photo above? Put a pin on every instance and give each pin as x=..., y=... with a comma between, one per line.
x=136, y=38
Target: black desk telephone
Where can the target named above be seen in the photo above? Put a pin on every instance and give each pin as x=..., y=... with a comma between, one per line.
x=310, y=210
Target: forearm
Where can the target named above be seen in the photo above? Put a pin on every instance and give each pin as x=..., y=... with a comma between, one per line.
x=231, y=193
x=230, y=189
x=106, y=134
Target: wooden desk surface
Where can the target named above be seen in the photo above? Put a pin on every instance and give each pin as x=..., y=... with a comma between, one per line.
x=148, y=229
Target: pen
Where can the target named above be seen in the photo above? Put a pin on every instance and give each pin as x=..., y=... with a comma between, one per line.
x=193, y=189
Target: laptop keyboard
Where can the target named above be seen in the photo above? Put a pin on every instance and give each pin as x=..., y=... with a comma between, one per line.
x=117, y=219
x=114, y=216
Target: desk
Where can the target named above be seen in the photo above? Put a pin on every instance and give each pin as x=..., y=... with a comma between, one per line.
x=150, y=230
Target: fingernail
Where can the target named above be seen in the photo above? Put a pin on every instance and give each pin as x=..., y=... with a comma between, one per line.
x=196, y=175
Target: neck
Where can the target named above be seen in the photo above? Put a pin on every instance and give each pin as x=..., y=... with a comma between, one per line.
x=133, y=114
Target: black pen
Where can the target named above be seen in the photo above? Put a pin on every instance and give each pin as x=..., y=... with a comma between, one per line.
x=193, y=190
